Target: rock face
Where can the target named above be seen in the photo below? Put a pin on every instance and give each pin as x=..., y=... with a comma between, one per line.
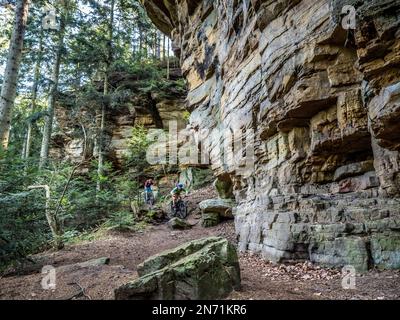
x=315, y=106
x=151, y=110
x=201, y=269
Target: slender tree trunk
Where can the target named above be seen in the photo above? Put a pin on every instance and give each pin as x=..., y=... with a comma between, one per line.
x=158, y=45
x=155, y=46
x=35, y=89
x=147, y=45
x=48, y=126
x=24, y=146
x=168, y=58
x=100, y=166
x=9, y=87
x=134, y=44
x=140, y=42
x=163, y=50
x=52, y=219
x=100, y=143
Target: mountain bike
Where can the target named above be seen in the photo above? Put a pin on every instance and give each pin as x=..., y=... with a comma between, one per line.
x=180, y=210
x=149, y=198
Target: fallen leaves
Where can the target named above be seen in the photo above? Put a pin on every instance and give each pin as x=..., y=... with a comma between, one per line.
x=304, y=271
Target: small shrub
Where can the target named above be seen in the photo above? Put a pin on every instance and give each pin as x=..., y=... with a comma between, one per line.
x=120, y=221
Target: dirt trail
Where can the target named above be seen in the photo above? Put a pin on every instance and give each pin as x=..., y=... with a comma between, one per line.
x=260, y=279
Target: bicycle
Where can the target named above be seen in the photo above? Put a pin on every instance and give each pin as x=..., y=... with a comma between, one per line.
x=149, y=198
x=180, y=210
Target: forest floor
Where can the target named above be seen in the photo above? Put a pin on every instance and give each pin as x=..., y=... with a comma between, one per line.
x=260, y=279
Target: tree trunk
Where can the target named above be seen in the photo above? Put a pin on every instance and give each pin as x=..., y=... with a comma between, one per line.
x=48, y=126
x=9, y=87
x=155, y=46
x=168, y=58
x=35, y=89
x=100, y=143
x=140, y=42
x=100, y=165
x=163, y=50
x=24, y=146
x=52, y=218
x=158, y=45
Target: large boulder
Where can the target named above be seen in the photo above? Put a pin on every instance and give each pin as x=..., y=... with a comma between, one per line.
x=221, y=206
x=214, y=209
x=201, y=269
x=210, y=219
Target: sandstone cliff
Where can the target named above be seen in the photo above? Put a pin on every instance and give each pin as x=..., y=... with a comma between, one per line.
x=131, y=106
x=318, y=104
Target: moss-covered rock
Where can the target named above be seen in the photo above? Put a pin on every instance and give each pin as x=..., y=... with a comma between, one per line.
x=178, y=224
x=385, y=250
x=201, y=269
x=224, y=186
x=215, y=209
x=341, y=252
x=210, y=219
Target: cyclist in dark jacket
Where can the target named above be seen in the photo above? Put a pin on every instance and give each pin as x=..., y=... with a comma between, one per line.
x=176, y=193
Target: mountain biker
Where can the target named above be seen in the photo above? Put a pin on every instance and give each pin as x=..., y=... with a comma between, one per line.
x=176, y=193
x=148, y=190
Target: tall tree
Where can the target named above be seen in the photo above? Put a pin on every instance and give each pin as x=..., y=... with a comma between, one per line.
x=35, y=88
x=168, y=67
x=9, y=87
x=108, y=62
x=48, y=127
x=163, y=48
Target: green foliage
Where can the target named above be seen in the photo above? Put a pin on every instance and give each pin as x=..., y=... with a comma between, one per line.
x=83, y=212
x=23, y=227
x=126, y=188
x=138, y=145
x=120, y=221
x=186, y=115
x=74, y=236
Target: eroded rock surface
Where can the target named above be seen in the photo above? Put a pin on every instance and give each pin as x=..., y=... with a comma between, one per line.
x=135, y=108
x=201, y=269
x=318, y=105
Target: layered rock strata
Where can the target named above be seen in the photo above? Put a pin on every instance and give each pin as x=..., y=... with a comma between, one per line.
x=315, y=105
x=137, y=108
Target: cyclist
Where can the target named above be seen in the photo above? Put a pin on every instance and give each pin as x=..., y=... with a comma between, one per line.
x=148, y=190
x=176, y=194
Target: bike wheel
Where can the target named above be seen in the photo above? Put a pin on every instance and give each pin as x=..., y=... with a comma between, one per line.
x=182, y=210
x=172, y=210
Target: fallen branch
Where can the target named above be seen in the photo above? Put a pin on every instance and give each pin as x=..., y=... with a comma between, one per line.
x=80, y=293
